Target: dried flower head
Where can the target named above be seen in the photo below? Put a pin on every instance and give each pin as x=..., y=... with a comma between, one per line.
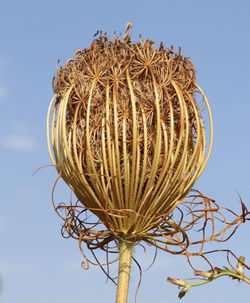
x=177, y=282
x=127, y=132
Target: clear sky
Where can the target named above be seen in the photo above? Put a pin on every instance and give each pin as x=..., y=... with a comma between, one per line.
x=36, y=264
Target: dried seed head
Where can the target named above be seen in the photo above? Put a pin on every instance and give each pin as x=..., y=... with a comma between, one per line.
x=177, y=282
x=127, y=132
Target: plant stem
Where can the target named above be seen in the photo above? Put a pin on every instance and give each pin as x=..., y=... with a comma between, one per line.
x=229, y=273
x=126, y=250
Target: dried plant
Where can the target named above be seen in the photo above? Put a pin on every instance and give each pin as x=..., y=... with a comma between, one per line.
x=215, y=273
x=128, y=137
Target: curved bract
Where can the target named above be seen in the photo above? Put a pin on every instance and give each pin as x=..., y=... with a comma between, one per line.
x=126, y=131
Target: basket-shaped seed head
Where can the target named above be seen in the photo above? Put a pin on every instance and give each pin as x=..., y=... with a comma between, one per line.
x=127, y=132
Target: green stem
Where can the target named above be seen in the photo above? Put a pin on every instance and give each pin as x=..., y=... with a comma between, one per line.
x=232, y=274
x=225, y=272
x=126, y=250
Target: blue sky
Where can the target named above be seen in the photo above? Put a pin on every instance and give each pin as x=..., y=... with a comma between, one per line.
x=36, y=264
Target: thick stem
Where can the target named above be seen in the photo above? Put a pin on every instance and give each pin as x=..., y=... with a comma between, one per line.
x=126, y=250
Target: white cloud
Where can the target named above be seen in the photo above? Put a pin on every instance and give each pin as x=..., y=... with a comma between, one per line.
x=19, y=142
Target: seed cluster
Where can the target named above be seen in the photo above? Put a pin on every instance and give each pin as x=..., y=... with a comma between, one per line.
x=127, y=132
